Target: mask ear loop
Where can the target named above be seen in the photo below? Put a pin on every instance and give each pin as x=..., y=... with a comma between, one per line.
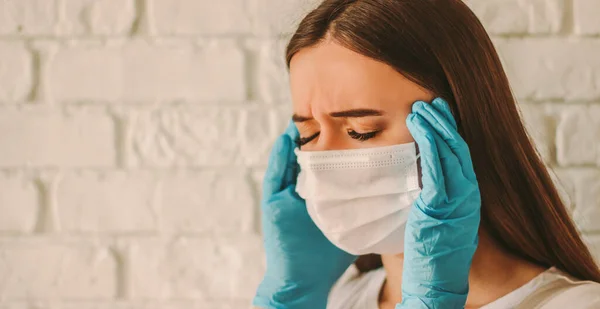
x=418, y=156
x=419, y=176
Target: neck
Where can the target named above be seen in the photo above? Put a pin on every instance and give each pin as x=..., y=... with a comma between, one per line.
x=494, y=273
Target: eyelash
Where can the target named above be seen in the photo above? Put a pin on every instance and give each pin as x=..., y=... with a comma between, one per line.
x=305, y=140
x=362, y=136
x=353, y=134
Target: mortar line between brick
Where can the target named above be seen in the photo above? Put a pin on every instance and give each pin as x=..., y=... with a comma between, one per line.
x=32, y=96
x=568, y=21
x=46, y=221
x=122, y=278
x=140, y=17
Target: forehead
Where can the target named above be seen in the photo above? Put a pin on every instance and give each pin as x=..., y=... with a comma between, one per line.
x=331, y=77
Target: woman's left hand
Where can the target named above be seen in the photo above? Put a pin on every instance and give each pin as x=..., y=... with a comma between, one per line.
x=441, y=232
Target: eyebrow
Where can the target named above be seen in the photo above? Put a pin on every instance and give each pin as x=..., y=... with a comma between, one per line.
x=351, y=113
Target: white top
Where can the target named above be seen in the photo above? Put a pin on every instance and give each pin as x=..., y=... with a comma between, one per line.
x=551, y=289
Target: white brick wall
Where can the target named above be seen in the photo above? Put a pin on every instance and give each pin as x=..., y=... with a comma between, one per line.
x=15, y=71
x=586, y=17
x=134, y=136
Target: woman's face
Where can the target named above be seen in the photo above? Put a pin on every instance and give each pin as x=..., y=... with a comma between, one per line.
x=344, y=100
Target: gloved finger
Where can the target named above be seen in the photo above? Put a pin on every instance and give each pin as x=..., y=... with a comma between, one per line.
x=433, y=191
x=455, y=182
x=448, y=132
x=291, y=172
x=292, y=131
x=278, y=162
x=443, y=108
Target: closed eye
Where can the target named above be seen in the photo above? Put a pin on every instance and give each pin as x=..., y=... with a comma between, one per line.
x=304, y=140
x=362, y=136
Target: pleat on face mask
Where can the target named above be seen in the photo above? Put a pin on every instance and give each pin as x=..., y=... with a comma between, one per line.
x=360, y=198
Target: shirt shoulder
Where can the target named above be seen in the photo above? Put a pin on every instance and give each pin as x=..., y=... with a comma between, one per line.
x=563, y=291
x=581, y=295
x=355, y=290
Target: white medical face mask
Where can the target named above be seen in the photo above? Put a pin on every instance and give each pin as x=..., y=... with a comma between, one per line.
x=360, y=198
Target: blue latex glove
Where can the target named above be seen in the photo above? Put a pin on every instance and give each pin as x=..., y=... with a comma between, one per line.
x=441, y=232
x=302, y=265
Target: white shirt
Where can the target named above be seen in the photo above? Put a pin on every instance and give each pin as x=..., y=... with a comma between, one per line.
x=551, y=289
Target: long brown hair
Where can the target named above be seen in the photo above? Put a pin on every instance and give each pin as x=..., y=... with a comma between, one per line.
x=442, y=46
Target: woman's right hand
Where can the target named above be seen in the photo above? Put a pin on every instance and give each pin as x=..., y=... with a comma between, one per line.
x=302, y=265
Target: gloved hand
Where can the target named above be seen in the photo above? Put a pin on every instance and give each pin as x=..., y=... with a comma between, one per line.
x=302, y=265
x=441, y=232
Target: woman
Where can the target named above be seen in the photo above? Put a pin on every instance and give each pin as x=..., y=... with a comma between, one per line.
x=408, y=138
